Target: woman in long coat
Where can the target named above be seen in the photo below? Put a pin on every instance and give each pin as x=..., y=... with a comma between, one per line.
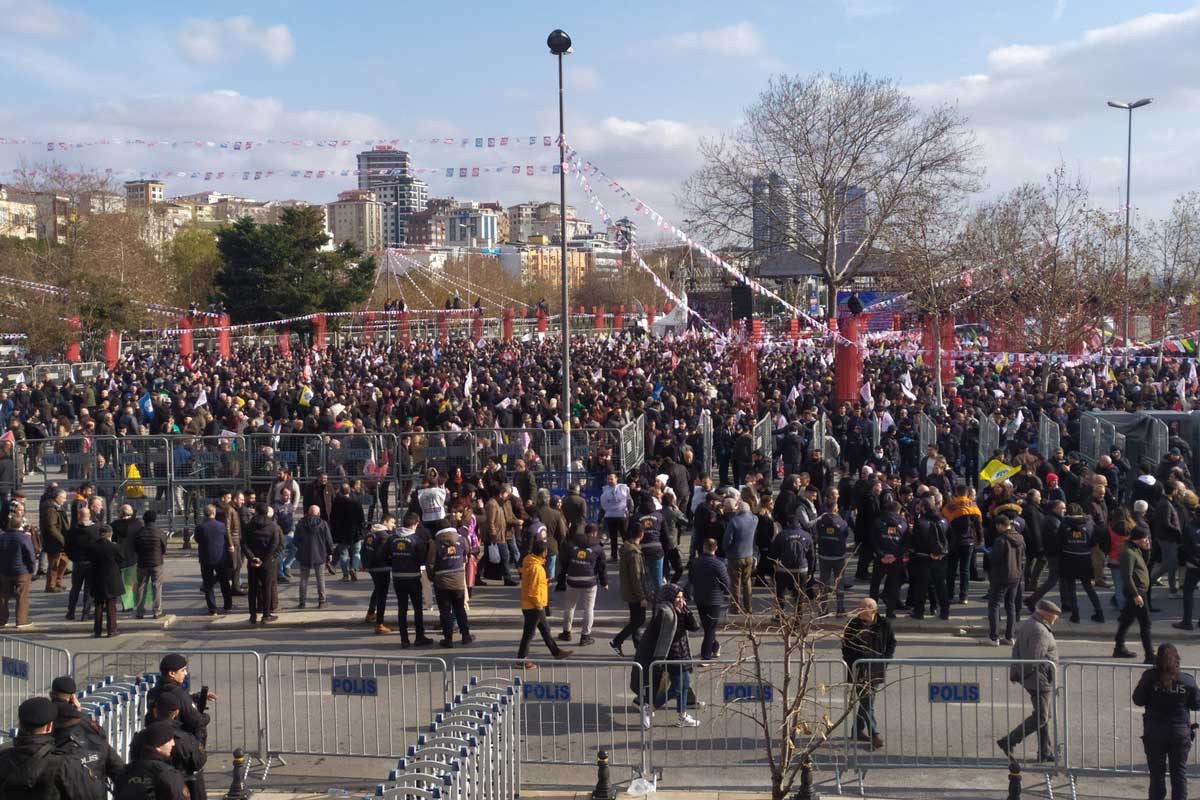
x=666, y=637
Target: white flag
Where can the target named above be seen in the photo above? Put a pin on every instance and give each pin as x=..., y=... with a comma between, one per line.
x=1016, y=423
x=865, y=394
x=1181, y=390
x=907, y=390
x=906, y=382
x=21, y=377
x=202, y=398
x=1192, y=379
x=794, y=394
x=468, y=382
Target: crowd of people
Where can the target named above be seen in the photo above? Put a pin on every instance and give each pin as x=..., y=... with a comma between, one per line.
x=845, y=495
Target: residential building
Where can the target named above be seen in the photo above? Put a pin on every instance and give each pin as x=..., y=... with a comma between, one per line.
x=144, y=193
x=357, y=216
x=473, y=225
x=773, y=218
x=381, y=166
x=388, y=172
x=427, y=228
x=18, y=218
x=530, y=219
x=544, y=263
x=100, y=202
x=627, y=229
x=607, y=256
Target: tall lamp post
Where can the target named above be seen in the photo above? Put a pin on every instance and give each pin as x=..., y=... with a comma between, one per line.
x=1129, y=107
x=560, y=44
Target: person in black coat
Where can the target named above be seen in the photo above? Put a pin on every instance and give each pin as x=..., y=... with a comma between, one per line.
x=188, y=755
x=104, y=580
x=346, y=523
x=868, y=636
x=150, y=545
x=79, y=540
x=708, y=583
x=125, y=530
x=150, y=773
x=666, y=637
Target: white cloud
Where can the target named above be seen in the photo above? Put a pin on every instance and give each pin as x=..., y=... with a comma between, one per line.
x=38, y=18
x=867, y=9
x=1040, y=103
x=207, y=40
x=742, y=40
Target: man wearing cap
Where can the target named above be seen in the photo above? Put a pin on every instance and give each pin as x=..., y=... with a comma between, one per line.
x=63, y=690
x=1035, y=642
x=150, y=774
x=188, y=755
x=83, y=739
x=174, y=671
x=31, y=768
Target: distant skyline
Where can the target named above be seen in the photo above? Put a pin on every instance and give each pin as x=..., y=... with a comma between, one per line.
x=644, y=84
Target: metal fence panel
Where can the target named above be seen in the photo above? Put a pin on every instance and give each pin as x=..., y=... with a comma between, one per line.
x=26, y=669
x=233, y=675
x=352, y=705
x=1158, y=443
x=764, y=438
x=570, y=709
x=1102, y=728
x=989, y=440
x=926, y=432
x=1089, y=439
x=632, y=451
x=948, y=713
x=1049, y=435
x=706, y=438
x=738, y=698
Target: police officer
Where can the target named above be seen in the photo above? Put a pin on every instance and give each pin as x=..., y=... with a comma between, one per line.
x=188, y=755
x=406, y=556
x=650, y=522
x=173, y=670
x=584, y=573
x=376, y=559
x=83, y=739
x=31, y=768
x=150, y=774
x=1169, y=696
x=831, y=533
x=792, y=549
x=927, y=564
x=447, y=561
x=889, y=540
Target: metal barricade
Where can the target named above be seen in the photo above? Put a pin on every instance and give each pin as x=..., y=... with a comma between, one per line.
x=202, y=467
x=989, y=442
x=301, y=454
x=119, y=707
x=233, y=675
x=359, y=705
x=571, y=709
x=949, y=713
x=706, y=439
x=632, y=450
x=764, y=438
x=67, y=459
x=1049, y=435
x=1158, y=442
x=140, y=475
x=357, y=456
x=1102, y=728
x=26, y=669
x=926, y=433
x=741, y=700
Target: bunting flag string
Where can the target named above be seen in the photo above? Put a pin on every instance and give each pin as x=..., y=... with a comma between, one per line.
x=623, y=243
x=469, y=285
x=522, y=170
x=644, y=208
x=235, y=145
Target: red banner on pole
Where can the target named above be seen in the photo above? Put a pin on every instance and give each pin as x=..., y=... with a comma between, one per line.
x=185, y=337
x=112, y=349
x=477, y=327
x=542, y=322
x=369, y=327
x=223, y=342
x=72, y=353
x=405, y=334
x=443, y=326
x=650, y=313
x=756, y=331
x=319, y=332
x=598, y=317
x=507, y=325
x=794, y=328
x=285, y=343
x=619, y=318
x=847, y=364
x=745, y=375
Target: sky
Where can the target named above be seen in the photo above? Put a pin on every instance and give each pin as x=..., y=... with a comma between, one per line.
x=645, y=83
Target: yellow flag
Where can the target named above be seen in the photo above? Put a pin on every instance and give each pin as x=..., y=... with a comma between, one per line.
x=997, y=471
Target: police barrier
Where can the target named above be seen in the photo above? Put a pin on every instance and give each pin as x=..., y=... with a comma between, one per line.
x=233, y=675
x=735, y=702
x=119, y=707
x=948, y=713
x=1049, y=435
x=571, y=709
x=1102, y=727
x=26, y=668
x=989, y=442
x=354, y=705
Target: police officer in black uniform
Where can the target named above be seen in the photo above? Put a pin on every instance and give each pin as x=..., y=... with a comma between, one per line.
x=889, y=541
x=188, y=755
x=375, y=555
x=406, y=555
x=830, y=532
x=174, y=671
x=83, y=739
x=794, y=556
x=31, y=768
x=150, y=774
x=1169, y=696
x=927, y=561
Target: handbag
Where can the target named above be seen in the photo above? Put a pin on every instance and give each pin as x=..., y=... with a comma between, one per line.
x=493, y=553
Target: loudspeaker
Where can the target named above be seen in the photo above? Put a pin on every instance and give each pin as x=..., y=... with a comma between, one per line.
x=743, y=302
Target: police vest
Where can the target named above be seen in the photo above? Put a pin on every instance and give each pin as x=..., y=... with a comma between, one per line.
x=651, y=526
x=450, y=555
x=831, y=536
x=581, y=568
x=794, y=544
x=1075, y=539
x=405, y=560
x=374, y=550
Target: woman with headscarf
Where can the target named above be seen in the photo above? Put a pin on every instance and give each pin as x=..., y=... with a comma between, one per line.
x=665, y=638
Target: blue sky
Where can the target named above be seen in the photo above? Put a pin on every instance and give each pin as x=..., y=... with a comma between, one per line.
x=646, y=80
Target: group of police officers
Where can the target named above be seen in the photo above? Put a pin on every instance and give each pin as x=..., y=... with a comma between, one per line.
x=60, y=754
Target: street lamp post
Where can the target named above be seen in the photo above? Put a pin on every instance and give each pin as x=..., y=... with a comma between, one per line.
x=1129, y=107
x=560, y=44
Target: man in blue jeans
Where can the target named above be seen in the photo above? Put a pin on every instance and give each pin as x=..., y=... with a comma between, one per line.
x=1006, y=571
x=868, y=637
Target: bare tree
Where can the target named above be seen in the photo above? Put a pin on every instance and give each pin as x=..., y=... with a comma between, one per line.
x=822, y=165
x=1052, y=256
x=1169, y=250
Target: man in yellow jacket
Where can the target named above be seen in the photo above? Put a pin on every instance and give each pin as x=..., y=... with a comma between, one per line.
x=535, y=596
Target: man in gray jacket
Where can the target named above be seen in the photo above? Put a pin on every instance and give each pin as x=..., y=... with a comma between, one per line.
x=740, y=527
x=314, y=549
x=1035, y=642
